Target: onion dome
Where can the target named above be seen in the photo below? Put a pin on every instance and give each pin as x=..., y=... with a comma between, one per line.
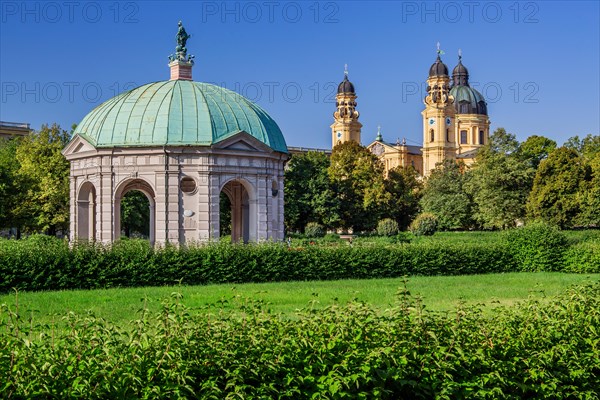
x=345, y=86
x=438, y=68
x=460, y=74
x=177, y=112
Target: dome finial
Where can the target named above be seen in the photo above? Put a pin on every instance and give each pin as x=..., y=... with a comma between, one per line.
x=346, y=70
x=459, y=55
x=181, y=63
x=379, y=138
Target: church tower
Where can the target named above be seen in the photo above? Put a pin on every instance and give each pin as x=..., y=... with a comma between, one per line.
x=472, y=128
x=439, y=142
x=345, y=126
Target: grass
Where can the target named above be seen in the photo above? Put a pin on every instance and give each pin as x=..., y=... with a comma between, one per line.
x=442, y=293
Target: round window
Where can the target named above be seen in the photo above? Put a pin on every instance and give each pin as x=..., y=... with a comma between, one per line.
x=188, y=185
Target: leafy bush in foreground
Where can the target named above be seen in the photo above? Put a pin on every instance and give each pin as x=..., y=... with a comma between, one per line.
x=532, y=351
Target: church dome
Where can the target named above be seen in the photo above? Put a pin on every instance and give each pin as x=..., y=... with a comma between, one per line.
x=345, y=86
x=177, y=113
x=438, y=68
x=460, y=74
x=468, y=100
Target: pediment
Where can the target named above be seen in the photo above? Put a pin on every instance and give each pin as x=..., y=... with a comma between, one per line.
x=77, y=146
x=243, y=141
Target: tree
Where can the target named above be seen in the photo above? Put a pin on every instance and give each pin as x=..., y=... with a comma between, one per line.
x=356, y=176
x=535, y=149
x=589, y=195
x=444, y=196
x=500, y=180
x=554, y=197
x=308, y=197
x=43, y=177
x=587, y=147
x=404, y=188
x=9, y=186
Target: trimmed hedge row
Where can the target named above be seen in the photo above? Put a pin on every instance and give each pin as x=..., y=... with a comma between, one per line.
x=49, y=264
x=46, y=263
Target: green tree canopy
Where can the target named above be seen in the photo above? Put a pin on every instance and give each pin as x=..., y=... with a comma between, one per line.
x=43, y=177
x=308, y=197
x=535, y=149
x=404, y=188
x=557, y=184
x=9, y=185
x=500, y=180
x=444, y=196
x=356, y=176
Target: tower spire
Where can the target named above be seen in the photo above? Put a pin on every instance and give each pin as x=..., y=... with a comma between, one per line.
x=379, y=138
x=346, y=70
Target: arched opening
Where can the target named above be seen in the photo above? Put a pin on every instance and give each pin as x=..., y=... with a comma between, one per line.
x=135, y=215
x=134, y=210
x=86, y=212
x=242, y=211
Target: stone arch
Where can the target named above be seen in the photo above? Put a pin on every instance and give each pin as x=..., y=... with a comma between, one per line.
x=244, y=210
x=124, y=187
x=86, y=212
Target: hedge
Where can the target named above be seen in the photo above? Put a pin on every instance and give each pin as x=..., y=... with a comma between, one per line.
x=50, y=264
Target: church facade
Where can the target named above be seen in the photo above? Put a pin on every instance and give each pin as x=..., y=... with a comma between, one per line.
x=455, y=122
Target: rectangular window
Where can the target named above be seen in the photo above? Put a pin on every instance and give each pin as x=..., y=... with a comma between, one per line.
x=463, y=137
x=447, y=135
x=481, y=137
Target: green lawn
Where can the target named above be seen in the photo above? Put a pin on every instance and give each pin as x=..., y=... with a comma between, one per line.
x=438, y=293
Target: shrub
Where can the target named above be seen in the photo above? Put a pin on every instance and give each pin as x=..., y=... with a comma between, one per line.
x=537, y=247
x=241, y=350
x=424, y=225
x=583, y=258
x=314, y=230
x=387, y=227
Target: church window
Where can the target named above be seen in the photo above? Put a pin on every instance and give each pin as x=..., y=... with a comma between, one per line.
x=431, y=136
x=464, y=108
x=447, y=135
x=463, y=137
x=481, y=137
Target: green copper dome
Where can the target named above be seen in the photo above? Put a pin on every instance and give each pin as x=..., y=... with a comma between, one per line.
x=177, y=113
x=468, y=100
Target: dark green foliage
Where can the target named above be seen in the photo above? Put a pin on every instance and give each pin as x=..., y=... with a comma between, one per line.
x=445, y=197
x=425, y=224
x=224, y=215
x=404, y=190
x=537, y=247
x=554, y=197
x=356, y=178
x=314, y=230
x=308, y=196
x=52, y=265
x=135, y=214
x=387, y=227
x=532, y=351
x=583, y=258
x=500, y=180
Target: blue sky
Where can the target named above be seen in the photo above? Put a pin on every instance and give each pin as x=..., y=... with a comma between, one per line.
x=536, y=62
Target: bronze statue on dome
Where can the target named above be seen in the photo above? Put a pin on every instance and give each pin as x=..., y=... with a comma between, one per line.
x=181, y=51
